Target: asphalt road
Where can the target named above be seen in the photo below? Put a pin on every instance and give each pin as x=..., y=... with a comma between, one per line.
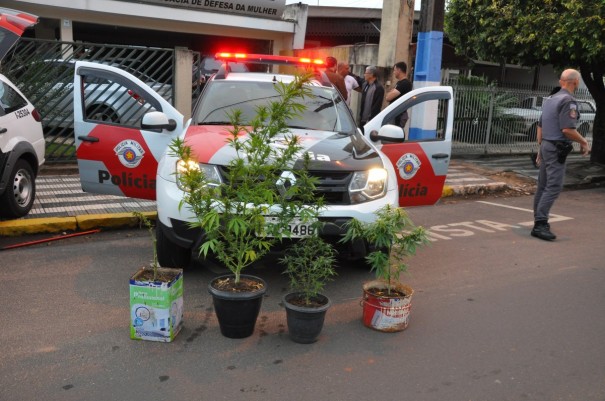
x=497, y=315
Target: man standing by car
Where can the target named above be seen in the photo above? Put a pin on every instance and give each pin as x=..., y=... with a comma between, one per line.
x=372, y=94
x=403, y=86
x=351, y=82
x=556, y=132
x=333, y=77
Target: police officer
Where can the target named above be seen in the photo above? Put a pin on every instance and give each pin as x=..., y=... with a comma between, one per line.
x=556, y=132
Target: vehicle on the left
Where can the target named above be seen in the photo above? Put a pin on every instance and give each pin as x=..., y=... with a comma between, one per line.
x=21, y=136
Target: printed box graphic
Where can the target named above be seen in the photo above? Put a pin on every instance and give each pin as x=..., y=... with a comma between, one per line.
x=156, y=308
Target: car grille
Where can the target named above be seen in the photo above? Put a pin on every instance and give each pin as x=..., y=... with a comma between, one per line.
x=332, y=185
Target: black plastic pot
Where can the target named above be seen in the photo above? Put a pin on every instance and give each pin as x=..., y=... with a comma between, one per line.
x=237, y=311
x=305, y=323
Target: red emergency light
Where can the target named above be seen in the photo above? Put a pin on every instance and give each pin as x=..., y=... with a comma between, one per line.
x=16, y=21
x=267, y=59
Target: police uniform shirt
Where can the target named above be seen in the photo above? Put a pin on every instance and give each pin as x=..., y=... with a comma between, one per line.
x=559, y=111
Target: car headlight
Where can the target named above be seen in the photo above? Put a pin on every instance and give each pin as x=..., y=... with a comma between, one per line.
x=190, y=173
x=368, y=185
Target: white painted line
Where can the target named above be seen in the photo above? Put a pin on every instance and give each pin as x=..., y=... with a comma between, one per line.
x=552, y=218
x=507, y=206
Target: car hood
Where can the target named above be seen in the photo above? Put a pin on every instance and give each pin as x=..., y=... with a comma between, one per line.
x=328, y=151
x=12, y=25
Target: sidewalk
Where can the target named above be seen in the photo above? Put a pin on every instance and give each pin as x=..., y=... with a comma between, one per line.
x=61, y=205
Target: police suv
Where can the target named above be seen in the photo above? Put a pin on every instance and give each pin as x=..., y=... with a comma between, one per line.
x=360, y=169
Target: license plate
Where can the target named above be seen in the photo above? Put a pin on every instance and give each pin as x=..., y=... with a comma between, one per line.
x=298, y=229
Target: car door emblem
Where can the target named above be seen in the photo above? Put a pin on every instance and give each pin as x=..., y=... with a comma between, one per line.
x=129, y=152
x=408, y=166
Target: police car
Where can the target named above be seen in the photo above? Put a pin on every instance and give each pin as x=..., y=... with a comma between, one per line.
x=360, y=169
x=21, y=137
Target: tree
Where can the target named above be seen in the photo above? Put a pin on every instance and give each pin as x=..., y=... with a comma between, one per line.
x=564, y=33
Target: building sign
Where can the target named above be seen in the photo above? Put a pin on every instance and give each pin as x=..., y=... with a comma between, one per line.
x=257, y=8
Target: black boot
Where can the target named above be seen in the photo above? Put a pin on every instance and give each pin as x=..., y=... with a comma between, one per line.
x=542, y=230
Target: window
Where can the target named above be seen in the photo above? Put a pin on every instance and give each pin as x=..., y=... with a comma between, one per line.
x=325, y=110
x=10, y=99
x=109, y=98
x=585, y=107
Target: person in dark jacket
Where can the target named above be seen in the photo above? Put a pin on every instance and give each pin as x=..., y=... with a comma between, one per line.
x=331, y=76
x=372, y=95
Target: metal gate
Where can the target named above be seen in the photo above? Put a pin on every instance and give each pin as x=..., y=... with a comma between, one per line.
x=44, y=71
x=495, y=120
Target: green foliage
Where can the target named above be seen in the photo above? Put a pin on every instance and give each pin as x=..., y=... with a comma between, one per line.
x=232, y=213
x=309, y=265
x=144, y=221
x=393, y=237
x=529, y=32
x=564, y=33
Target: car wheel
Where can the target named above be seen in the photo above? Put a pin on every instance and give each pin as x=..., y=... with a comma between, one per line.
x=170, y=254
x=18, y=198
x=583, y=129
x=102, y=113
x=532, y=134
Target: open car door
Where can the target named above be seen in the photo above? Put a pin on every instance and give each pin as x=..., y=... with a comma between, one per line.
x=116, y=154
x=420, y=151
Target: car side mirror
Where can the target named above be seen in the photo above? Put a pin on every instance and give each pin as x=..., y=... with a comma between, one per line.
x=388, y=132
x=157, y=120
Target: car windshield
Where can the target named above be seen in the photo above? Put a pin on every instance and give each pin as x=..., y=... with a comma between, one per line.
x=324, y=110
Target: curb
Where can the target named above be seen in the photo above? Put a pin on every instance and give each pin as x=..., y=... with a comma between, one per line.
x=84, y=222
x=51, y=225
x=472, y=189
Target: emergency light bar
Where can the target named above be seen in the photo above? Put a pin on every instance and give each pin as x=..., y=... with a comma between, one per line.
x=267, y=59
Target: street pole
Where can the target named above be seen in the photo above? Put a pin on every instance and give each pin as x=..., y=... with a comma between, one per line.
x=427, y=70
x=396, y=26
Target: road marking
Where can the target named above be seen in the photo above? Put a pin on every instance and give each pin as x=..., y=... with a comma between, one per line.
x=507, y=206
x=552, y=218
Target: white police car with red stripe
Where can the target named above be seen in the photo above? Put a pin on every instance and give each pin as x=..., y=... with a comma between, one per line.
x=359, y=169
x=21, y=137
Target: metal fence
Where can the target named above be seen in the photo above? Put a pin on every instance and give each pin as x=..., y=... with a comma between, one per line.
x=495, y=120
x=44, y=72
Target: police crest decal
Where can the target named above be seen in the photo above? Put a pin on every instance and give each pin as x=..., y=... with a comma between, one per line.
x=573, y=111
x=408, y=166
x=129, y=152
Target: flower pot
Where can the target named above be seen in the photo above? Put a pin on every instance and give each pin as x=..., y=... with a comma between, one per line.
x=237, y=311
x=386, y=313
x=305, y=322
x=156, y=307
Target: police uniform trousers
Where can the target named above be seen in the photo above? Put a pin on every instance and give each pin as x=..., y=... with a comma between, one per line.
x=550, y=181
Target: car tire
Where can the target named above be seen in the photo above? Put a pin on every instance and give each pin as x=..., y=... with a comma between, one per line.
x=18, y=198
x=170, y=254
x=532, y=133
